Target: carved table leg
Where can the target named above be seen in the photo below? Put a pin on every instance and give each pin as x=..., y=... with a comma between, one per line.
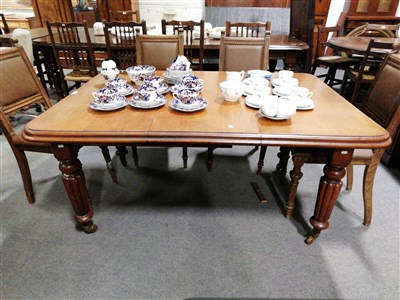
x=328, y=191
x=75, y=185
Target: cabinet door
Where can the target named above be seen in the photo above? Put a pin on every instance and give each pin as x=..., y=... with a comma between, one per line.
x=373, y=7
x=54, y=11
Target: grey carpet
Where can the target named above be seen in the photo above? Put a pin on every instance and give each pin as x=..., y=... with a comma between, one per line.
x=169, y=233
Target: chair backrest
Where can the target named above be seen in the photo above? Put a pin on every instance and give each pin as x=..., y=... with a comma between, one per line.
x=19, y=85
x=72, y=46
x=375, y=30
x=3, y=26
x=195, y=53
x=248, y=29
x=372, y=60
x=323, y=34
x=121, y=41
x=124, y=15
x=158, y=50
x=238, y=53
x=383, y=101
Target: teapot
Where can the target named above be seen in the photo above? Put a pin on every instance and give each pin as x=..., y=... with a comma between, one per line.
x=234, y=76
x=109, y=70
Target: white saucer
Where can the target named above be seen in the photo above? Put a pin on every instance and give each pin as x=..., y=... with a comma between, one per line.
x=175, y=104
x=253, y=101
x=146, y=104
x=275, y=117
x=276, y=91
x=107, y=107
x=310, y=107
x=276, y=82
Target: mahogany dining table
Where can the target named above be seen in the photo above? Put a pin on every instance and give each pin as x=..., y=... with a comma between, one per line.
x=358, y=45
x=334, y=124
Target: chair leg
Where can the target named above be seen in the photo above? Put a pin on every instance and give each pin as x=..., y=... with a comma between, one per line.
x=356, y=88
x=121, y=152
x=349, y=177
x=261, y=158
x=110, y=167
x=295, y=176
x=283, y=156
x=331, y=75
x=210, y=159
x=184, y=157
x=135, y=156
x=344, y=83
x=368, y=184
x=25, y=174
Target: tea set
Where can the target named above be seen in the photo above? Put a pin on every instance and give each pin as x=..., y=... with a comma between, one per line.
x=287, y=96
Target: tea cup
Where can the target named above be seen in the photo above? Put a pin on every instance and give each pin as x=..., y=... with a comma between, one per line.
x=186, y=96
x=302, y=92
x=259, y=74
x=234, y=76
x=191, y=81
x=231, y=90
x=285, y=74
x=277, y=107
x=117, y=83
x=139, y=73
x=105, y=95
x=156, y=81
x=147, y=92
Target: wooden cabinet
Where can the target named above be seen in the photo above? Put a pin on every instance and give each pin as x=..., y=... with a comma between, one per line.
x=371, y=11
x=54, y=11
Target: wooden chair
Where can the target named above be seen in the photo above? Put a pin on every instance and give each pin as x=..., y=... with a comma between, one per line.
x=248, y=29
x=124, y=15
x=383, y=106
x=365, y=73
x=158, y=50
x=73, y=51
x=194, y=54
x=240, y=53
x=15, y=68
x=375, y=30
x=332, y=62
x=121, y=42
x=3, y=26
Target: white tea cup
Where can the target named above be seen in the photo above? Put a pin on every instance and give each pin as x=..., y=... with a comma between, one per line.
x=234, y=76
x=302, y=92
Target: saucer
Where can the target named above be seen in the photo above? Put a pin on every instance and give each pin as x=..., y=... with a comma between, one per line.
x=157, y=99
x=177, y=105
x=171, y=79
x=163, y=89
x=121, y=102
x=253, y=101
x=178, y=87
x=148, y=104
x=127, y=90
x=310, y=107
x=276, y=82
x=279, y=92
x=275, y=117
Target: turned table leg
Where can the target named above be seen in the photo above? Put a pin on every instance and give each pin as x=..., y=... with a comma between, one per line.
x=75, y=185
x=328, y=191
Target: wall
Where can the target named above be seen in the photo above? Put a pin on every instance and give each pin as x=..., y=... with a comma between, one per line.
x=153, y=11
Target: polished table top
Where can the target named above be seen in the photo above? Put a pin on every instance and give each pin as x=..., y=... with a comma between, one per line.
x=358, y=45
x=333, y=124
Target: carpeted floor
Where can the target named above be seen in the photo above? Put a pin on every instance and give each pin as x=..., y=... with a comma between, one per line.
x=171, y=233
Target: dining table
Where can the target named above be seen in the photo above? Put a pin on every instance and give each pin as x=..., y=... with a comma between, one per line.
x=358, y=45
x=333, y=124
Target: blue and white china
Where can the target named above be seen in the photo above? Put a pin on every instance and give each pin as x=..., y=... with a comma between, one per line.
x=158, y=83
x=105, y=95
x=121, y=86
x=231, y=90
x=137, y=102
x=146, y=92
x=259, y=73
x=187, y=97
x=139, y=73
x=197, y=104
x=180, y=67
x=112, y=103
